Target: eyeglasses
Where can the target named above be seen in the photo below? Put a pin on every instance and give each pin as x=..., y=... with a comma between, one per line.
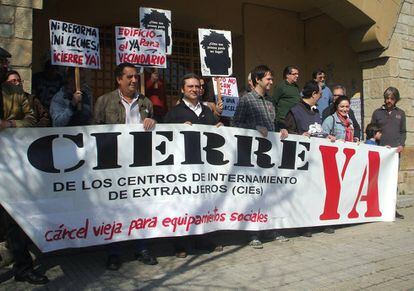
x=295, y=74
x=15, y=81
x=339, y=95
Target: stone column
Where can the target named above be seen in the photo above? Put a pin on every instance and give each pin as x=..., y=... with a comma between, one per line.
x=394, y=67
x=16, y=18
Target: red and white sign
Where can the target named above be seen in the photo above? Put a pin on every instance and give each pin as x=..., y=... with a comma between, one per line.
x=74, y=45
x=92, y=185
x=139, y=46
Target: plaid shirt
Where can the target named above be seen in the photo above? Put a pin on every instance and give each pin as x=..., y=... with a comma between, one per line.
x=254, y=110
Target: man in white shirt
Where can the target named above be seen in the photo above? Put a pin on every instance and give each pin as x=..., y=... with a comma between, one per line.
x=125, y=105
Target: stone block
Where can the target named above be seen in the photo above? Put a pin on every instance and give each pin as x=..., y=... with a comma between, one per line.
x=21, y=51
x=407, y=64
x=375, y=88
x=6, y=14
x=406, y=19
x=23, y=23
x=406, y=8
x=366, y=74
x=369, y=107
x=402, y=28
x=406, y=186
x=410, y=139
x=407, y=161
x=6, y=30
x=405, y=86
x=407, y=74
x=38, y=4
x=407, y=54
x=408, y=44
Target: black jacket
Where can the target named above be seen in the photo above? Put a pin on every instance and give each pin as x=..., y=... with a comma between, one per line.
x=182, y=113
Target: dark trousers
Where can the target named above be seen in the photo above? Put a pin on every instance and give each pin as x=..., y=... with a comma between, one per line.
x=17, y=242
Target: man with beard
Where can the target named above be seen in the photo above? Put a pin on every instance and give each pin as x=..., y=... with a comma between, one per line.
x=15, y=111
x=392, y=122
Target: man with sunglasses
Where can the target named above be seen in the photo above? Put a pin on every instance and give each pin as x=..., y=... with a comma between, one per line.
x=340, y=91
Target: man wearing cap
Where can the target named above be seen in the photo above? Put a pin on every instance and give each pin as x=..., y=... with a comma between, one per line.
x=15, y=111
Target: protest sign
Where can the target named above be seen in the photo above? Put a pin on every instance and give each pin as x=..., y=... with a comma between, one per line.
x=74, y=45
x=158, y=19
x=92, y=185
x=140, y=46
x=229, y=94
x=215, y=52
x=356, y=106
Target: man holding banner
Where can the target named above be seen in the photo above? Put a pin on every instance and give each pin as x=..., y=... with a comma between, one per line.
x=13, y=97
x=125, y=105
x=255, y=112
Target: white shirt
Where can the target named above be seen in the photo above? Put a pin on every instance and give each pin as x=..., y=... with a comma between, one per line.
x=132, y=115
x=197, y=109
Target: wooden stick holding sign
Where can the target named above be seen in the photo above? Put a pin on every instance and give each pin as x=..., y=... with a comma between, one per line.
x=78, y=87
x=219, y=95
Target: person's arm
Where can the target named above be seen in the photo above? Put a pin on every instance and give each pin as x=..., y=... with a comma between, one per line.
x=328, y=125
x=357, y=127
x=240, y=114
x=403, y=129
x=290, y=123
x=60, y=112
x=277, y=94
x=99, y=111
x=29, y=118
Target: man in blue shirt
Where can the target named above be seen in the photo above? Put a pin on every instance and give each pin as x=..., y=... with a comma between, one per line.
x=326, y=99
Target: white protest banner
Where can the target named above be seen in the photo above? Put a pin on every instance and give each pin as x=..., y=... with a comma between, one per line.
x=216, y=52
x=74, y=45
x=159, y=19
x=83, y=186
x=229, y=94
x=140, y=46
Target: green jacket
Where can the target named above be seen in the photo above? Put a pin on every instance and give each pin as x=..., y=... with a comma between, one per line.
x=109, y=109
x=284, y=97
x=16, y=106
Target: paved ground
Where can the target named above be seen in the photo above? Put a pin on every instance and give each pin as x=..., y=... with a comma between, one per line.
x=374, y=256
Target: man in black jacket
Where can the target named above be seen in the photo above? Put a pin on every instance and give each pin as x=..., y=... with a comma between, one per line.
x=338, y=91
x=190, y=110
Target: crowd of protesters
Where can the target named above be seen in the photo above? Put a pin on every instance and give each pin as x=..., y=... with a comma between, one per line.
x=314, y=111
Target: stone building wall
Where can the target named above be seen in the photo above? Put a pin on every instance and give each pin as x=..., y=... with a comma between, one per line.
x=16, y=18
x=395, y=67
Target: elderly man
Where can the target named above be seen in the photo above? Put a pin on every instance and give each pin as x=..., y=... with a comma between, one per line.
x=15, y=111
x=125, y=105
